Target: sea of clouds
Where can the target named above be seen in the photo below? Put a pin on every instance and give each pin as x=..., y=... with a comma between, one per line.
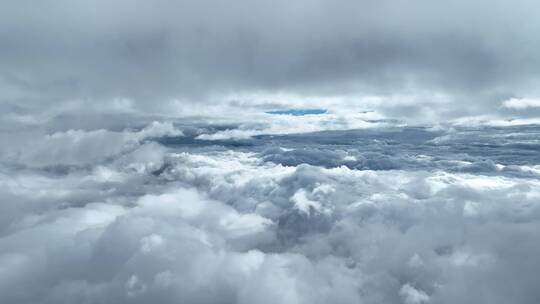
x=252, y=151
x=282, y=209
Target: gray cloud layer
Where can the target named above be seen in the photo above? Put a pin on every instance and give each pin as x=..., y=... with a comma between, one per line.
x=143, y=222
x=478, y=53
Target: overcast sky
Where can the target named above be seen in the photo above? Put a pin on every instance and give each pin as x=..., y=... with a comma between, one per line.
x=458, y=58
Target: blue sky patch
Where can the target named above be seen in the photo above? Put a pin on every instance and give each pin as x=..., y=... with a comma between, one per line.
x=298, y=112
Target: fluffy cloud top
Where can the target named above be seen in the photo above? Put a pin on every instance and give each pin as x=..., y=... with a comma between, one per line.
x=192, y=221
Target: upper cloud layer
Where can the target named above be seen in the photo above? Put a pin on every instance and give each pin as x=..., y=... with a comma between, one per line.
x=477, y=54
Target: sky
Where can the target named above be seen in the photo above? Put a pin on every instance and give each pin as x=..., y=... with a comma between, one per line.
x=419, y=60
x=269, y=151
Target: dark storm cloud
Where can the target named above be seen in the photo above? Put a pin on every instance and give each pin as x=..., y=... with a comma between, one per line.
x=54, y=50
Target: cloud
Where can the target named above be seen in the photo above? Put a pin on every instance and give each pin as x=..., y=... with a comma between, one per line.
x=412, y=295
x=80, y=147
x=139, y=162
x=153, y=55
x=521, y=103
x=219, y=224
